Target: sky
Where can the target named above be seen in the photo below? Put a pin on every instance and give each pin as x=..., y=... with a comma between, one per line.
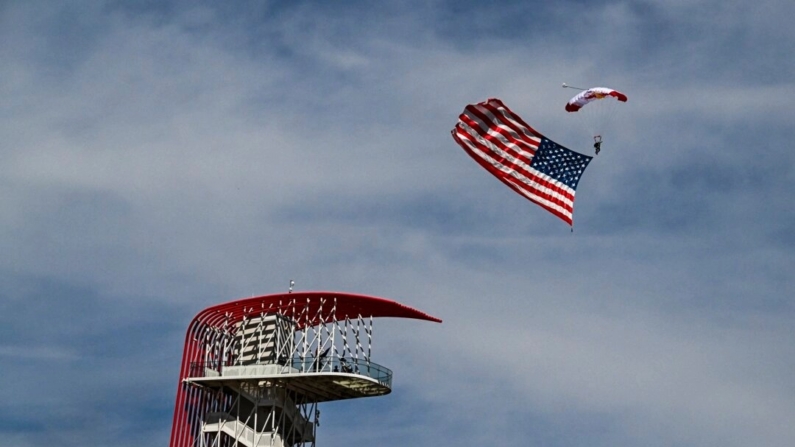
x=160, y=157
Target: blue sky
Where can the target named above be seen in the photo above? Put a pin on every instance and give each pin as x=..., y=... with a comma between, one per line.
x=162, y=157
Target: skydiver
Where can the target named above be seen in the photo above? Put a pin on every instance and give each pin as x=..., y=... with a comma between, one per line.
x=597, y=143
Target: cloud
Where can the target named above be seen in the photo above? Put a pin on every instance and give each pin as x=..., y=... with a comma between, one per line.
x=37, y=352
x=160, y=158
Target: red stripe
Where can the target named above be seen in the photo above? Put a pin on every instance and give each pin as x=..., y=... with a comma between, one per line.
x=529, y=174
x=528, y=189
x=494, y=140
x=484, y=134
x=492, y=125
x=511, y=120
x=530, y=195
x=566, y=218
x=487, y=137
x=496, y=104
x=540, y=180
x=516, y=135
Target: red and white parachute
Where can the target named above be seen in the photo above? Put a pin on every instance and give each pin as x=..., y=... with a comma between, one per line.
x=595, y=109
x=592, y=94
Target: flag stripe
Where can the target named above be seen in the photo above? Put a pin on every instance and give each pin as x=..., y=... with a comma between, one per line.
x=491, y=126
x=506, y=146
x=560, y=208
x=531, y=184
x=497, y=156
x=484, y=136
x=500, y=146
x=498, y=108
x=497, y=145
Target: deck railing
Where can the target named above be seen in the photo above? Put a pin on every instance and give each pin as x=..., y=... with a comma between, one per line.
x=308, y=365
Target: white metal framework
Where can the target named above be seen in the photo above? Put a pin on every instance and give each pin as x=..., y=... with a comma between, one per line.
x=254, y=376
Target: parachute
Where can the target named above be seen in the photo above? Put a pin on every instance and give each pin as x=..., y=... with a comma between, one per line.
x=595, y=108
x=592, y=94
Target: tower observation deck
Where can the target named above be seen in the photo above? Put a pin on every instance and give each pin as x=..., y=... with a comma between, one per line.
x=254, y=370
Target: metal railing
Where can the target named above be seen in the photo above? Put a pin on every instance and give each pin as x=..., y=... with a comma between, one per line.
x=307, y=365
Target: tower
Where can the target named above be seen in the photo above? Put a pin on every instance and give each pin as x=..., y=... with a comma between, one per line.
x=254, y=370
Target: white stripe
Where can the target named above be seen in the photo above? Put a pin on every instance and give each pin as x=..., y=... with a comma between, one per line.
x=541, y=200
x=519, y=163
x=504, y=112
x=523, y=162
x=527, y=182
x=516, y=161
x=497, y=123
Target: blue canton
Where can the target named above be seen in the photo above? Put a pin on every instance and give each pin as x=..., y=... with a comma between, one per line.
x=560, y=163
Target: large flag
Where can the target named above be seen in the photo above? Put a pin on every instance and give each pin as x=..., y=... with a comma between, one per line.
x=528, y=162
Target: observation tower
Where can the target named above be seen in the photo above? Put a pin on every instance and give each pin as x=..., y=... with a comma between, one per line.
x=254, y=370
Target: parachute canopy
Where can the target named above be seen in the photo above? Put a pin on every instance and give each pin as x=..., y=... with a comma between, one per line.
x=593, y=94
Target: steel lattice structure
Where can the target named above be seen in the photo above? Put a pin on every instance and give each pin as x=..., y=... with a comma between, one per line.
x=254, y=370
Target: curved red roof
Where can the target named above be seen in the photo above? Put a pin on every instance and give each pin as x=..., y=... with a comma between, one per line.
x=347, y=305
x=305, y=308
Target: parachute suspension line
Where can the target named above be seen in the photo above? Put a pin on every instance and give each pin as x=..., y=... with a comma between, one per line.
x=571, y=86
x=595, y=109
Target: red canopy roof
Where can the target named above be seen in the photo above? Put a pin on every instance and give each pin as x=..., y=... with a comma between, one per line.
x=289, y=304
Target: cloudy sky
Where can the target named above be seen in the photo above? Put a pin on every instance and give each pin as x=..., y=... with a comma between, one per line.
x=159, y=157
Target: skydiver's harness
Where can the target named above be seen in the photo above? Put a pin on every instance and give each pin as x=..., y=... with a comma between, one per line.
x=597, y=143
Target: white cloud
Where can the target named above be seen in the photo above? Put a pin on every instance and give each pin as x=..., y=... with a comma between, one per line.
x=191, y=157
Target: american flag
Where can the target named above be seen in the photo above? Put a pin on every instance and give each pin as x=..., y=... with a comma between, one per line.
x=529, y=163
